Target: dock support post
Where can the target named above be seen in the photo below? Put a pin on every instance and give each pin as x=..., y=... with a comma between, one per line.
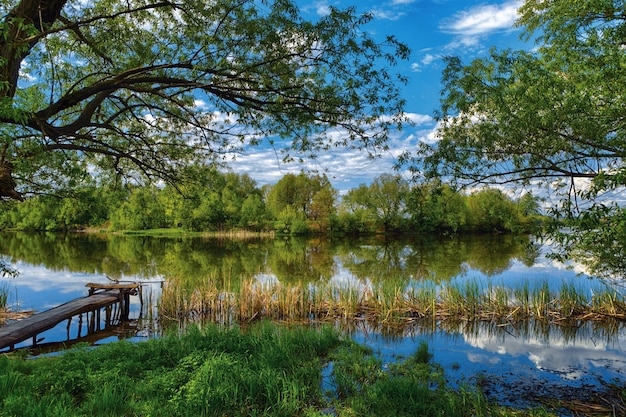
x=91, y=323
x=107, y=316
x=69, y=323
x=80, y=325
x=125, y=304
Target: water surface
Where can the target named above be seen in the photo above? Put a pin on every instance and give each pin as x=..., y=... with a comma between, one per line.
x=54, y=268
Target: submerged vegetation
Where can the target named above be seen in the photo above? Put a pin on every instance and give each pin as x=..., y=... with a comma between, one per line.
x=267, y=370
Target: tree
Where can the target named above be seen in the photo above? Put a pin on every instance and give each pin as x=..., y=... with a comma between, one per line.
x=382, y=204
x=387, y=197
x=303, y=197
x=549, y=118
x=143, y=210
x=237, y=189
x=323, y=207
x=435, y=207
x=140, y=88
x=355, y=214
x=490, y=210
x=253, y=213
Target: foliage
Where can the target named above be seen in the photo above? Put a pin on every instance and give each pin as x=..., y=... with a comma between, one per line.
x=296, y=199
x=141, y=211
x=296, y=204
x=381, y=205
x=268, y=370
x=551, y=117
x=138, y=90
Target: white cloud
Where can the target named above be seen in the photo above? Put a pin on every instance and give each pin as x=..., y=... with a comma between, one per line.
x=200, y=104
x=386, y=14
x=464, y=42
x=398, y=2
x=429, y=136
x=428, y=59
x=424, y=62
x=419, y=119
x=322, y=8
x=482, y=19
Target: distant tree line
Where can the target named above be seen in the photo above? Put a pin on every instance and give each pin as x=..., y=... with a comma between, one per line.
x=296, y=204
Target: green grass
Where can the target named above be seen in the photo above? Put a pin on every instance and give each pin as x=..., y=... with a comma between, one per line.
x=267, y=370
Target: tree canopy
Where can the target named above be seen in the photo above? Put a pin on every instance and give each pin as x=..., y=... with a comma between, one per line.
x=140, y=89
x=551, y=117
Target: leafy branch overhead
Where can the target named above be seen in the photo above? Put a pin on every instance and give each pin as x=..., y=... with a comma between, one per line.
x=552, y=117
x=141, y=88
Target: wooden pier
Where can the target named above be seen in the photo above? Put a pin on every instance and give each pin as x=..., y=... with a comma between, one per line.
x=100, y=296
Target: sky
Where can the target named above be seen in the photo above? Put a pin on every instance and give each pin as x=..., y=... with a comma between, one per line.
x=432, y=29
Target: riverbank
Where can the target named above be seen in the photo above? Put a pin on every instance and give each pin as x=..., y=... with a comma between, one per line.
x=267, y=370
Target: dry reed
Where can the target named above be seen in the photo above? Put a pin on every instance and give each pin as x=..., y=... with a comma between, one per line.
x=384, y=304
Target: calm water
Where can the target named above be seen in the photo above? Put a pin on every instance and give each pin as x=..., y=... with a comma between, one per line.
x=513, y=361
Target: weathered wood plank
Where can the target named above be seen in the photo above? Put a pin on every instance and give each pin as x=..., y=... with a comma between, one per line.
x=18, y=331
x=112, y=286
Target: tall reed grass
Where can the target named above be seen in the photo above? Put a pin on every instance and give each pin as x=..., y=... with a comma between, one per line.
x=468, y=300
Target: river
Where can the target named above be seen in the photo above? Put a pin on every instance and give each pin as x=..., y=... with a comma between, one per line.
x=512, y=363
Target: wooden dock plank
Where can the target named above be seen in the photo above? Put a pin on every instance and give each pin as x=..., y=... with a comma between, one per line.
x=24, y=329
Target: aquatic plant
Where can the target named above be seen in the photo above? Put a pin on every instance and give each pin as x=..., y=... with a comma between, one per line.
x=388, y=303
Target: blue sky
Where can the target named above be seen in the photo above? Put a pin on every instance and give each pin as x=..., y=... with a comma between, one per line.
x=432, y=29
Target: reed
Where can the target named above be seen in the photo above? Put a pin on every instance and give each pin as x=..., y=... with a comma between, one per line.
x=387, y=303
x=521, y=297
x=572, y=302
x=609, y=303
x=500, y=302
x=540, y=301
x=4, y=297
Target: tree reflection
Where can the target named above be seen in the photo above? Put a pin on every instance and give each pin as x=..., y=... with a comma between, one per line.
x=192, y=259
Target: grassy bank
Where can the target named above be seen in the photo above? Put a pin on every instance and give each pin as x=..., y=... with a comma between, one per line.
x=267, y=370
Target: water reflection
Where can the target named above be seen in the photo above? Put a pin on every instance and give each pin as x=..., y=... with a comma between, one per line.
x=555, y=351
x=303, y=260
x=55, y=268
x=517, y=367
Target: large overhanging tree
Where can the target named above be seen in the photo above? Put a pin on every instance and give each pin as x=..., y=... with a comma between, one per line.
x=553, y=117
x=138, y=89
x=141, y=88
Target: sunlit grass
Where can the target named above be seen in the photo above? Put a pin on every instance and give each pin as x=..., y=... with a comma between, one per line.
x=177, y=231
x=267, y=370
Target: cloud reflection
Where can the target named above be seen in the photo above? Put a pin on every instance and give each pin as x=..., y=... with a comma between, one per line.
x=589, y=352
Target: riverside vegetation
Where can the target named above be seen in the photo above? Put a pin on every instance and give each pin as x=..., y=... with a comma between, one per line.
x=388, y=305
x=295, y=205
x=265, y=370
